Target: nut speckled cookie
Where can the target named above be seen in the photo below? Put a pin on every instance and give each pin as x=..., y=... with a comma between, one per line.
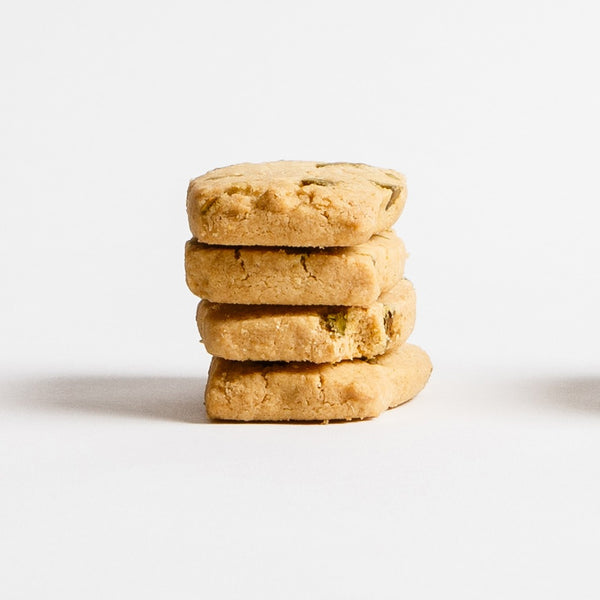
x=354, y=276
x=294, y=203
x=355, y=389
x=316, y=334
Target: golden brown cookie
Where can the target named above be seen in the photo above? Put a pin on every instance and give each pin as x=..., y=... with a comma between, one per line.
x=354, y=389
x=294, y=203
x=317, y=334
x=354, y=276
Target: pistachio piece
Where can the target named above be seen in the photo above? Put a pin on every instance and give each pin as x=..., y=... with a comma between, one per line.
x=324, y=182
x=336, y=322
x=395, y=195
x=206, y=206
x=371, y=361
x=388, y=319
x=330, y=164
x=395, y=189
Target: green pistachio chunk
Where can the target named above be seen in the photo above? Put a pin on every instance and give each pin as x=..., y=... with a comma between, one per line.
x=312, y=181
x=330, y=164
x=336, y=322
x=395, y=189
x=388, y=319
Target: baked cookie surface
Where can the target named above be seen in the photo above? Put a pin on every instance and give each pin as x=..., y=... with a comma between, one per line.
x=294, y=203
x=353, y=276
x=354, y=389
x=317, y=334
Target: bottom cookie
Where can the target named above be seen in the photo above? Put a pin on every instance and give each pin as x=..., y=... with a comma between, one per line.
x=352, y=389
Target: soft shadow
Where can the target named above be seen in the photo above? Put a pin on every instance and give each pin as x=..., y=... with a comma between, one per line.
x=165, y=398
x=580, y=394
x=568, y=394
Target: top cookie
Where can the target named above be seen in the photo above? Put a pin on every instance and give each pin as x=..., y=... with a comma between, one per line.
x=294, y=203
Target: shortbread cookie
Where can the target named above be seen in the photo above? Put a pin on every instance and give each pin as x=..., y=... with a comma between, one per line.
x=354, y=276
x=290, y=203
x=316, y=334
x=354, y=389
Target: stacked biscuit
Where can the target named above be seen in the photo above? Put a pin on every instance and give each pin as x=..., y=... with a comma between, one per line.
x=305, y=309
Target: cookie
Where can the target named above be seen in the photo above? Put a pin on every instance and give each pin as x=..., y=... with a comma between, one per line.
x=354, y=276
x=294, y=203
x=355, y=389
x=317, y=334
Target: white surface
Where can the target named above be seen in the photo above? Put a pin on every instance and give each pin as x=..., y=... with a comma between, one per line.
x=119, y=488
x=111, y=482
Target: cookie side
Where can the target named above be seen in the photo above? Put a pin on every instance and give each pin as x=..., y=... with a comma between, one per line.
x=353, y=276
x=317, y=334
x=357, y=389
x=294, y=203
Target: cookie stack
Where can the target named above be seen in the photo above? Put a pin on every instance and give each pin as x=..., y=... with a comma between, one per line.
x=304, y=305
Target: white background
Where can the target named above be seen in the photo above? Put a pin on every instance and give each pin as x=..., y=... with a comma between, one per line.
x=112, y=482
